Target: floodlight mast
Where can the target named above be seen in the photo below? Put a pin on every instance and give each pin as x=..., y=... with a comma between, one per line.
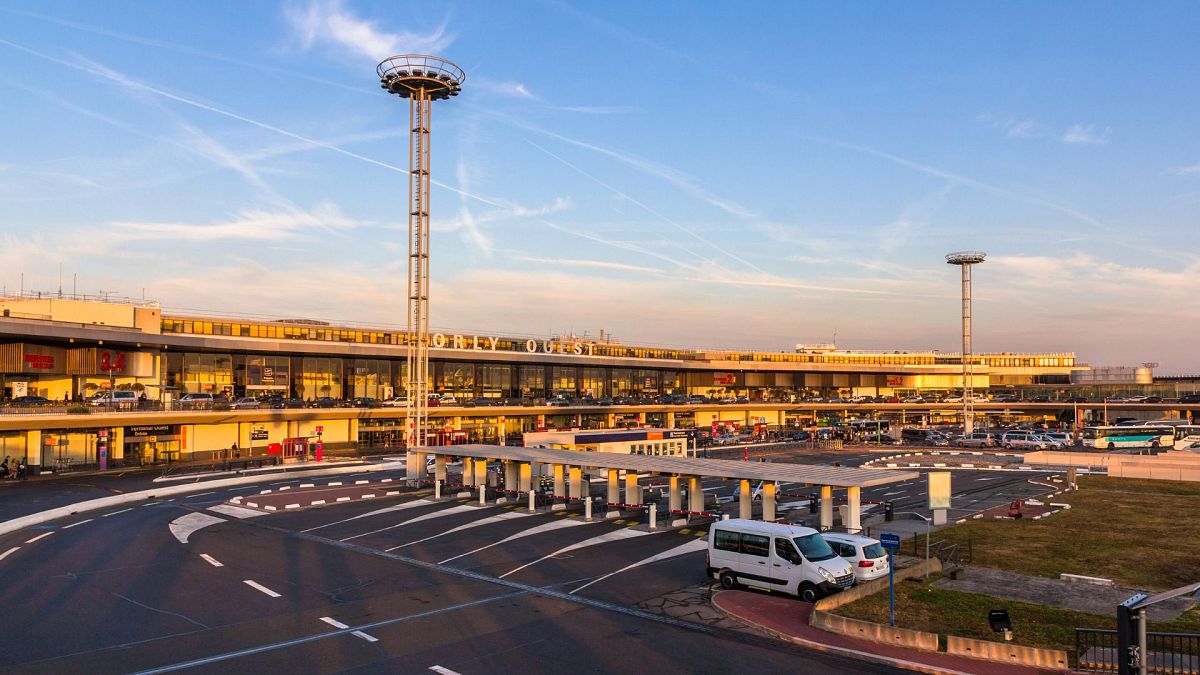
x=421, y=79
x=965, y=260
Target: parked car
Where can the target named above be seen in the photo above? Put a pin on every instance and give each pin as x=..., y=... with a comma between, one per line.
x=559, y=402
x=865, y=555
x=923, y=437
x=31, y=400
x=1076, y=399
x=1062, y=438
x=281, y=403
x=979, y=439
x=448, y=399
x=799, y=559
x=1006, y=398
x=245, y=403
x=198, y=401
x=480, y=401
x=1024, y=440
x=364, y=402
x=395, y=402
x=1190, y=398
x=324, y=402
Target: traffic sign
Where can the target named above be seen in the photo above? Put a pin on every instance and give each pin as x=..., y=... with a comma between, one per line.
x=320, y=429
x=889, y=541
x=258, y=435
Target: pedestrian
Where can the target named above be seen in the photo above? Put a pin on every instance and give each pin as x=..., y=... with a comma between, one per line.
x=4, y=468
x=22, y=469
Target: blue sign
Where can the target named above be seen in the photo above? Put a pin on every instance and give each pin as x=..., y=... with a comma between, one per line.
x=889, y=541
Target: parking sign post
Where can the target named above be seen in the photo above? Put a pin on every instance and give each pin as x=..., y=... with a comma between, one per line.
x=891, y=542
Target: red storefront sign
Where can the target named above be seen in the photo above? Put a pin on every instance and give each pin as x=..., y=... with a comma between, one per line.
x=39, y=361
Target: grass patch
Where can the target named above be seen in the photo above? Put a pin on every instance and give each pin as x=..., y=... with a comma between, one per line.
x=1131, y=531
x=920, y=606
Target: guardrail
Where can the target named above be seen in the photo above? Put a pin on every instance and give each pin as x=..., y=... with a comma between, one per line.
x=1174, y=653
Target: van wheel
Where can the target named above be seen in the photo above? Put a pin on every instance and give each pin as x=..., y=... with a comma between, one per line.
x=1111, y=446
x=728, y=581
x=809, y=592
x=1008, y=446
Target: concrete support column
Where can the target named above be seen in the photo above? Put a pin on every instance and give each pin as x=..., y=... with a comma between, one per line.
x=501, y=433
x=675, y=500
x=33, y=447
x=610, y=420
x=826, y=507
x=575, y=486
x=745, y=501
x=632, y=494
x=481, y=472
x=468, y=472
x=614, y=487
x=510, y=475
x=411, y=472
x=420, y=461
x=439, y=468
x=641, y=417
x=525, y=477
x=768, y=497
x=853, y=522
x=695, y=494
x=559, y=484
x=670, y=420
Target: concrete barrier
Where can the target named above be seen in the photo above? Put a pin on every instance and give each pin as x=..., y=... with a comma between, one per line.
x=875, y=632
x=1004, y=652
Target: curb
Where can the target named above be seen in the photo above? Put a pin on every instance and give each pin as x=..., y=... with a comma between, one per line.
x=23, y=522
x=843, y=651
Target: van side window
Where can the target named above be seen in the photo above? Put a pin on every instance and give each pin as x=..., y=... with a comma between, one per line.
x=725, y=540
x=786, y=550
x=756, y=544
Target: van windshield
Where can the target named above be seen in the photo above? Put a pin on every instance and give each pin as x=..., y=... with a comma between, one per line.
x=814, y=548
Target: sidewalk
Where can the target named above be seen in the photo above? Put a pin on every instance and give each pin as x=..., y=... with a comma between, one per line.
x=787, y=618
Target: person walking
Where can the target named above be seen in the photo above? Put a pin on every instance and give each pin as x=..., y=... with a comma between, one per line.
x=22, y=469
x=4, y=468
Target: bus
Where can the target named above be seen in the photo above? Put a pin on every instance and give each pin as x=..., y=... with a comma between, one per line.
x=868, y=428
x=1111, y=438
x=1187, y=437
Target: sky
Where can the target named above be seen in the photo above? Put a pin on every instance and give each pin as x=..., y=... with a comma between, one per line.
x=721, y=175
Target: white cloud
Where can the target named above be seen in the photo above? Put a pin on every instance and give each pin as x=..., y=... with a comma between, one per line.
x=1184, y=170
x=808, y=260
x=1016, y=128
x=505, y=88
x=250, y=224
x=591, y=264
x=328, y=21
x=1086, y=135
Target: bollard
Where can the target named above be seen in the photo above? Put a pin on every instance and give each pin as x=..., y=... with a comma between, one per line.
x=437, y=489
x=532, y=501
x=653, y=517
x=482, y=494
x=587, y=508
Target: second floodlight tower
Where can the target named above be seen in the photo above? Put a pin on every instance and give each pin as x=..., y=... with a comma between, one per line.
x=965, y=260
x=420, y=79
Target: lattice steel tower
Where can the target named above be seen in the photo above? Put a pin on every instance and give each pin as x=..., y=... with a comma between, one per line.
x=421, y=80
x=965, y=260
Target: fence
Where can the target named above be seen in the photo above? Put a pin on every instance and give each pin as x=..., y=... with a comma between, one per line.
x=1174, y=653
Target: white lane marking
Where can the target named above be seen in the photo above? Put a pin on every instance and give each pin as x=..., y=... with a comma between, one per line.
x=202, y=494
x=40, y=536
x=211, y=560
x=334, y=622
x=889, y=494
x=116, y=512
x=616, y=535
x=443, y=671
x=507, y=515
x=368, y=638
x=438, y=514
x=67, y=527
x=546, y=527
x=9, y=552
x=257, y=586
x=376, y=512
x=235, y=511
x=183, y=526
x=694, y=545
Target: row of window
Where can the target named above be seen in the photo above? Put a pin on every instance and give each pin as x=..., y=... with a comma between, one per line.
x=288, y=331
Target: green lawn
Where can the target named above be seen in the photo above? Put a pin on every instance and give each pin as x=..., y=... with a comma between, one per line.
x=1140, y=533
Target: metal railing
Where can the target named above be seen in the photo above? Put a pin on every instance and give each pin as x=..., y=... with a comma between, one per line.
x=1172, y=653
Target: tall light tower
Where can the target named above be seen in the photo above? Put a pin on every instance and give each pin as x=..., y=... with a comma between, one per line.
x=422, y=80
x=965, y=260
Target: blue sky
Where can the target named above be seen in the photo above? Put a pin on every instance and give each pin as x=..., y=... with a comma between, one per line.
x=700, y=174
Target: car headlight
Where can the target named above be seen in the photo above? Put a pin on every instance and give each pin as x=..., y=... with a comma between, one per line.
x=825, y=573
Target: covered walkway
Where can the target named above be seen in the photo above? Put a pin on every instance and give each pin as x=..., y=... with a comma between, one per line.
x=520, y=465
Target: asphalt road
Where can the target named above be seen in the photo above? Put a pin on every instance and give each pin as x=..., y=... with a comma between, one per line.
x=117, y=591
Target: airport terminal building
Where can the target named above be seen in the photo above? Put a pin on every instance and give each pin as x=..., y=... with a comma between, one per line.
x=73, y=348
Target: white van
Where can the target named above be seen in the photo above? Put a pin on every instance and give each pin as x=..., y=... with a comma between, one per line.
x=775, y=557
x=120, y=399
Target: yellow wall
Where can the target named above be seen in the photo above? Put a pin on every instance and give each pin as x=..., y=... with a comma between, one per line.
x=75, y=311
